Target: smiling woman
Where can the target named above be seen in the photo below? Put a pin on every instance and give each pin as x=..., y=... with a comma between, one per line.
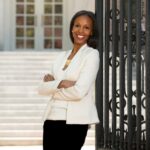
x=70, y=85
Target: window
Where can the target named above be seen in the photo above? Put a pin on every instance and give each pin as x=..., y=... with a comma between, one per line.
x=53, y=24
x=39, y=27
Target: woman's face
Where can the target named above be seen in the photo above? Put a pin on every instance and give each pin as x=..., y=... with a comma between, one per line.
x=82, y=30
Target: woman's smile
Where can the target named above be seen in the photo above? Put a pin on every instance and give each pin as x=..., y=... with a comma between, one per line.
x=80, y=36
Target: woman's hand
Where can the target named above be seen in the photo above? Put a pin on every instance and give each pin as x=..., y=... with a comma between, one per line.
x=66, y=84
x=48, y=77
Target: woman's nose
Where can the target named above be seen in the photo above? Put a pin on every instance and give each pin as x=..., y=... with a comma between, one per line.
x=81, y=30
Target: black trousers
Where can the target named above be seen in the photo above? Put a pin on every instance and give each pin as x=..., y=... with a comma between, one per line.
x=57, y=135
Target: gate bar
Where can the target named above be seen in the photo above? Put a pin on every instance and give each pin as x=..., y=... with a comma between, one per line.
x=129, y=73
x=138, y=74
x=122, y=72
x=106, y=91
x=114, y=51
x=99, y=82
x=147, y=55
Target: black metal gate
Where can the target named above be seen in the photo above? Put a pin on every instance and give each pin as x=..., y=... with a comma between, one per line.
x=123, y=82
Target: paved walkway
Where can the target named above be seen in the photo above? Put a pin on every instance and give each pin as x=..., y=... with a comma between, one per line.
x=36, y=148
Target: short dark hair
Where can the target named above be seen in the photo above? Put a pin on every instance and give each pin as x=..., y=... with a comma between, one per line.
x=93, y=39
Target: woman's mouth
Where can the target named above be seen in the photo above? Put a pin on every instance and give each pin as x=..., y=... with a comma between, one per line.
x=80, y=36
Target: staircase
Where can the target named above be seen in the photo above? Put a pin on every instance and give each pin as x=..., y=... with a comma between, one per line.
x=21, y=108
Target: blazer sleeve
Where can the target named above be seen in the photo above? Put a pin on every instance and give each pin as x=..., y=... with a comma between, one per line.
x=86, y=79
x=49, y=88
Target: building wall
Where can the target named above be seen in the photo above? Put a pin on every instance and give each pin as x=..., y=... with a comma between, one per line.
x=7, y=23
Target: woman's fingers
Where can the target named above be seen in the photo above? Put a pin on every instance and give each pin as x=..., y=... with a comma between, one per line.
x=48, y=77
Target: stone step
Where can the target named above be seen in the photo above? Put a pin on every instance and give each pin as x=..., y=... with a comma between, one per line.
x=19, y=133
x=18, y=87
x=19, y=107
x=18, y=120
x=23, y=100
x=23, y=72
x=20, y=113
x=20, y=141
x=23, y=94
x=17, y=68
x=19, y=83
x=33, y=141
x=31, y=126
x=20, y=77
x=29, y=133
x=22, y=126
x=30, y=137
x=10, y=61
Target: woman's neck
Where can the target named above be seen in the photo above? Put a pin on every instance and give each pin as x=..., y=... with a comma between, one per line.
x=76, y=47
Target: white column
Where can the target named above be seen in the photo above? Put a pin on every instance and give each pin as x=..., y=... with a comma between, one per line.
x=1, y=25
x=8, y=24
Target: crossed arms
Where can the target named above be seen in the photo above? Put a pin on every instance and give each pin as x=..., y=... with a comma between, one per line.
x=62, y=84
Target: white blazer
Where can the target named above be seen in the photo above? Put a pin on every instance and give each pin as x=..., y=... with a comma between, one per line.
x=80, y=97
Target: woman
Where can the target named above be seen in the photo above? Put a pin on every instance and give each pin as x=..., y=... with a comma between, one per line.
x=70, y=85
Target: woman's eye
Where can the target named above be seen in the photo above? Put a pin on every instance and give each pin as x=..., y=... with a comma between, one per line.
x=87, y=28
x=76, y=25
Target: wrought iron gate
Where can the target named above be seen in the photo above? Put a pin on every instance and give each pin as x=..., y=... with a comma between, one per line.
x=123, y=82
